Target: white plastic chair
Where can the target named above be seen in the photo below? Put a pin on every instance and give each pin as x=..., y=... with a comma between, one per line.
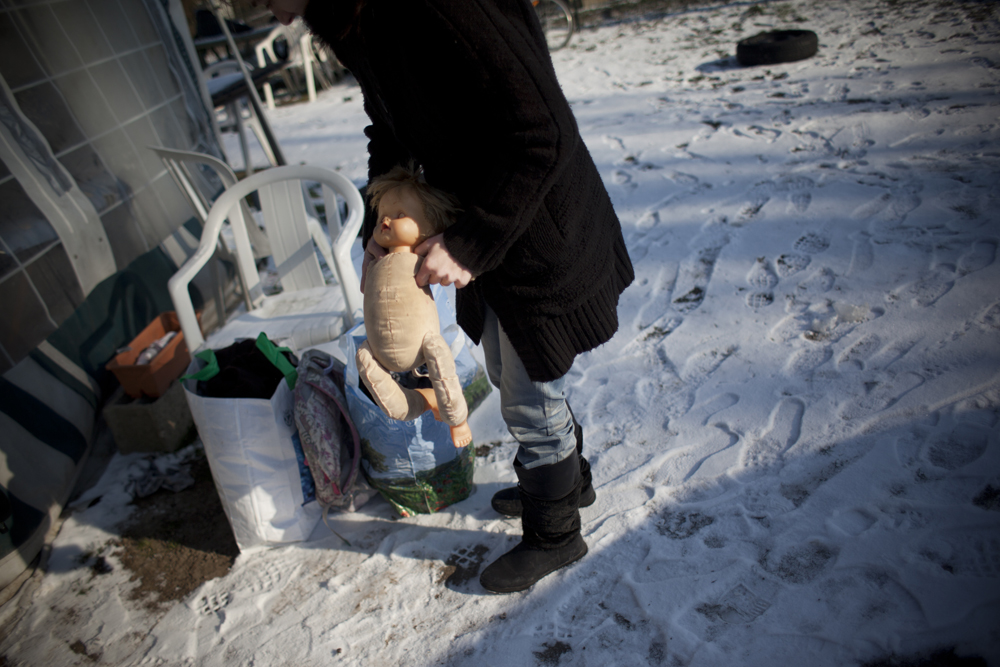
x=220, y=75
x=178, y=164
x=308, y=311
x=301, y=54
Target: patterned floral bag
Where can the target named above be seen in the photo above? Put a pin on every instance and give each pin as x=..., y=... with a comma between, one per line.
x=329, y=440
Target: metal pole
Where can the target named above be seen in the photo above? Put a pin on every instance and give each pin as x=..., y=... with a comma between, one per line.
x=251, y=88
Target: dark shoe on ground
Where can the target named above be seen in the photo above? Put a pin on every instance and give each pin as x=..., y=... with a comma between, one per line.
x=524, y=565
x=550, y=522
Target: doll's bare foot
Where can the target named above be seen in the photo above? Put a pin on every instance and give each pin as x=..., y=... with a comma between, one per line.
x=461, y=435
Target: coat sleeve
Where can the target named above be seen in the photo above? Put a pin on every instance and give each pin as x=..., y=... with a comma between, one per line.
x=508, y=121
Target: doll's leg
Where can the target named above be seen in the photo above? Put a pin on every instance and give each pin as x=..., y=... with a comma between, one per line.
x=451, y=407
x=444, y=379
x=395, y=401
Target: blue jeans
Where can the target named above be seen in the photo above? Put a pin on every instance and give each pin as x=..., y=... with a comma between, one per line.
x=536, y=413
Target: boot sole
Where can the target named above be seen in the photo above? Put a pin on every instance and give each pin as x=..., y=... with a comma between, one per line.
x=515, y=589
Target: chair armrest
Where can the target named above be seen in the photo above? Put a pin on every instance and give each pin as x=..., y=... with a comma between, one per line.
x=346, y=275
x=227, y=206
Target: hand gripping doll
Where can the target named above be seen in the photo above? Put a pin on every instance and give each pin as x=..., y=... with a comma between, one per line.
x=401, y=319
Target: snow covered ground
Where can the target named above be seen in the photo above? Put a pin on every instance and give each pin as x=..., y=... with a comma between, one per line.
x=794, y=435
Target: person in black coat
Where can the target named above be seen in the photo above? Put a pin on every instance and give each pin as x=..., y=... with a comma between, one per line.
x=467, y=90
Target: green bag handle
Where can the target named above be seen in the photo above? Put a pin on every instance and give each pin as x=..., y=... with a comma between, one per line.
x=280, y=361
x=272, y=352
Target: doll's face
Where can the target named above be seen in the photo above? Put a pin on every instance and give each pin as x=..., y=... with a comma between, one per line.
x=401, y=219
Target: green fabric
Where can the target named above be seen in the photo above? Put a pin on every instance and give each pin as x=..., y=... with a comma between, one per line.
x=115, y=312
x=273, y=353
x=280, y=361
x=209, y=371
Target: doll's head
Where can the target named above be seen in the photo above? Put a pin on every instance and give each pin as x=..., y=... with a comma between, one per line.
x=409, y=211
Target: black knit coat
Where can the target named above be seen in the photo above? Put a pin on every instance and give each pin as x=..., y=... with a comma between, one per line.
x=466, y=88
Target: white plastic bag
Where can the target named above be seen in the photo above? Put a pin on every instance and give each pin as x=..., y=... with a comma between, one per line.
x=257, y=464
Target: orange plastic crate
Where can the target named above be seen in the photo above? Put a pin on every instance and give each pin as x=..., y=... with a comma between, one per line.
x=152, y=379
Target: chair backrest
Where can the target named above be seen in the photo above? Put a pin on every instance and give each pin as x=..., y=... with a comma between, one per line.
x=289, y=231
x=291, y=34
x=178, y=164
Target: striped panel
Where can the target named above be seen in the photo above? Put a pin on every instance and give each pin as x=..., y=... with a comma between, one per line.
x=64, y=370
x=41, y=421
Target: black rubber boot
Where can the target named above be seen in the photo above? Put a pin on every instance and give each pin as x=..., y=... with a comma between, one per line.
x=508, y=501
x=550, y=521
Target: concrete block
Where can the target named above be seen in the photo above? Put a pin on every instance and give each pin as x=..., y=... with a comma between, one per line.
x=150, y=425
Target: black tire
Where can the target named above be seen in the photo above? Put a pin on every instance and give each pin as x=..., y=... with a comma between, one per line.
x=778, y=46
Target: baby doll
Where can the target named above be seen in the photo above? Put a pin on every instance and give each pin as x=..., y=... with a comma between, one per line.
x=401, y=319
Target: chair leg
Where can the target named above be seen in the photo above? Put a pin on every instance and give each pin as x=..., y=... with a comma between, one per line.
x=268, y=95
x=262, y=139
x=234, y=109
x=305, y=48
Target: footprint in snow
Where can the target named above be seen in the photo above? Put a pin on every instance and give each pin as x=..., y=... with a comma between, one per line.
x=762, y=278
x=862, y=254
x=798, y=189
x=853, y=521
x=462, y=566
x=859, y=352
x=927, y=289
x=658, y=297
x=702, y=463
x=702, y=412
x=802, y=564
x=214, y=603
x=696, y=269
x=755, y=200
x=738, y=606
x=657, y=570
x=968, y=555
x=964, y=444
x=761, y=275
x=790, y=263
x=680, y=525
x=758, y=300
x=807, y=359
x=783, y=431
x=979, y=256
x=704, y=363
x=880, y=392
x=819, y=282
x=719, y=455
x=989, y=320
x=747, y=597
x=589, y=620
x=811, y=243
x=623, y=179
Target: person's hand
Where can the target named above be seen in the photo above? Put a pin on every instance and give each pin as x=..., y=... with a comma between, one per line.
x=373, y=253
x=439, y=267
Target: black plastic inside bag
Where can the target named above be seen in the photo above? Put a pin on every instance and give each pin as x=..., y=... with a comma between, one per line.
x=244, y=372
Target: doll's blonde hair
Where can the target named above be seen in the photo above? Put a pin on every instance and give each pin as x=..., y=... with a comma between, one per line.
x=440, y=207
